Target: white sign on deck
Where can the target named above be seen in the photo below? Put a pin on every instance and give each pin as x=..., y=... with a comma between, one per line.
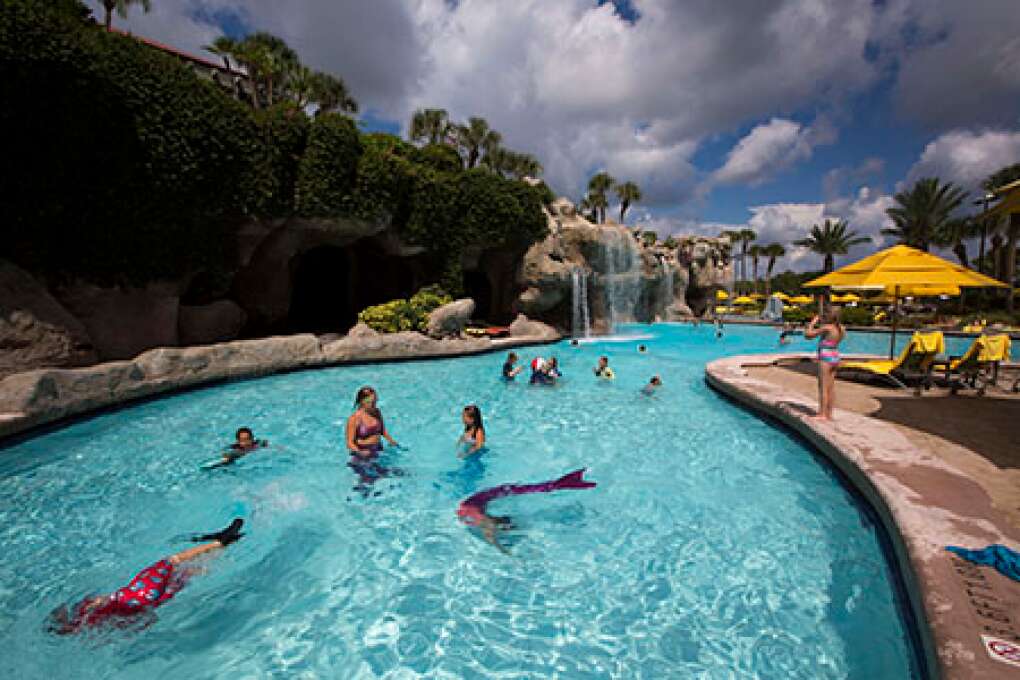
x=1002, y=650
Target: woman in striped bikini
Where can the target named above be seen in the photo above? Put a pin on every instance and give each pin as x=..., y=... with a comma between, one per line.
x=831, y=333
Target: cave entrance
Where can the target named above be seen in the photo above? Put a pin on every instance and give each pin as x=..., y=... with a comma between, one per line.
x=321, y=300
x=478, y=288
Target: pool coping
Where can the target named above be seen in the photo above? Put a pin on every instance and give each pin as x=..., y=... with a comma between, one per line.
x=36, y=400
x=924, y=504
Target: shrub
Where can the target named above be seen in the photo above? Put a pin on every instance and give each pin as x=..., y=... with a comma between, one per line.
x=856, y=316
x=328, y=169
x=797, y=315
x=284, y=133
x=120, y=164
x=405, y=315
x=441, y=157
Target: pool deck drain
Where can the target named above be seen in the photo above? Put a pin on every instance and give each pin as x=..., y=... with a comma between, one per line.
x=969, y=616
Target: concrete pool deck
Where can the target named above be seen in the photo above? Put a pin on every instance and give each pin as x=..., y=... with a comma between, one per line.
x=929, y=489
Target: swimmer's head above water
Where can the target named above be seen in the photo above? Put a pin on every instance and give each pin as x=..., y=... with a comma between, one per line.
x=471, y=416
x=366, y=399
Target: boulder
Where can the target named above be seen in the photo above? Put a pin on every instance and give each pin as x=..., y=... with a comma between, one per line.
x=205, y=324
x=450, y=319
x=362, y=330
x=123, y=322
x=35, y=330
x=524, y=327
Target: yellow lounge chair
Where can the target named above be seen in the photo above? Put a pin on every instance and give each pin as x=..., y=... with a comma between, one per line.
x=914, y=364
x=978, y=366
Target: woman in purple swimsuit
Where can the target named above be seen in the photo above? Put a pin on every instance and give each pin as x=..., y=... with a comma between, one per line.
x=365, y=432
x=472, y=510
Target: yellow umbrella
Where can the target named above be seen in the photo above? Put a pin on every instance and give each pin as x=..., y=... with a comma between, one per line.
x=743, y=300
x=849, y=297
x=722, y=295
x=782, y=296
x=801, y=300
x=756, y=296
x=899, y=269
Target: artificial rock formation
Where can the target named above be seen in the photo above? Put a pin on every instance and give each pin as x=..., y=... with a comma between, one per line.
x=215, y=322
x=622, y=279
x=450, y=320
x=35, y=330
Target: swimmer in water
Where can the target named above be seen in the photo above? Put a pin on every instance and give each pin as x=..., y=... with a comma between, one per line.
x=365, y=432
x=472, y=510
x=603, y=370
x=653, y=384
x=642, y=349
x=150, y=588
x=787, y=332
x=545, y=371
x=509, y=370
x=473, y=438
x=244, y=444
x=718, y=328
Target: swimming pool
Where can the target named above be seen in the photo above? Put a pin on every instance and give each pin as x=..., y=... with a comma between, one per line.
x=715, y=544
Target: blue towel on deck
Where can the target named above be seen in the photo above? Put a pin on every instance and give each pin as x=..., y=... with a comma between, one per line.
x=1005, y=561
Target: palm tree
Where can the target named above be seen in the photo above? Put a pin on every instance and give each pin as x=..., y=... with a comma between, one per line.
x=756, y=252
x=954, y=233
x=526, y=165
x=476, y=137
x=771, y=251
x=746, y=237
x=587, y=209
x=431, y=126
x=1001, y=178
x=331, y=94
x=272, y=58
x=122, y=9
x=923, y=211
x=598, y=186
x=628, y=193
x=301, y=85
x=830, y=240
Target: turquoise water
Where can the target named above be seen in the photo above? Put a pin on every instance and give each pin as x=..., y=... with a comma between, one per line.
x=714, y=546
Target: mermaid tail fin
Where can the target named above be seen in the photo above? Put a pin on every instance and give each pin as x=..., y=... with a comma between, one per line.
x=573, y=480
x=224, y=536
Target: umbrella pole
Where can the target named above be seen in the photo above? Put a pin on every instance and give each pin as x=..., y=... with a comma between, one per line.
x=895, y=307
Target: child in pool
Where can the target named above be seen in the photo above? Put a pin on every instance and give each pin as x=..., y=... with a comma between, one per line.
x=653, y=384
x=472, y=510
x=509, y=370
x=473, y=438
x=603, y=370
x=150, y=588
x=244, y=443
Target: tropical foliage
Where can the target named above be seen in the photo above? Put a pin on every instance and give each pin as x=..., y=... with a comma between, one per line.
x=121, y=7
x=405, y=315
x=831, y=239
x=923, y=214
x=628, y=193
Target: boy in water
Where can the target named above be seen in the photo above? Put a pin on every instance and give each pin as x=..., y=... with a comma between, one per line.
x=653, y=384
x=603, y=370
x=509, y=370
x=244, y=443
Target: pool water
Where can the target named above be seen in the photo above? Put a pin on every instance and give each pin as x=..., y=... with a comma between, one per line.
x=715, y=544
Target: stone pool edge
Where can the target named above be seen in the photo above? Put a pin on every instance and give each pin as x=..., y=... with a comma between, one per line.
x=44, y=397
x=901, y=482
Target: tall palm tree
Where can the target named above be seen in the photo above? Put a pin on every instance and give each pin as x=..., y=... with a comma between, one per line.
x=1001, y=178
x=122, y=9
x=830, y=240
x=628, y=193
x=431, y=126
x=746, y=237
x=526, y=165
x=771, y=251
x=923, y=210
x=301, y=85
x=599, y=203
x=331, y=94
x=756, y=251
x=598, y=186
x=272, y=57
x=953, y=234
x=474, y=138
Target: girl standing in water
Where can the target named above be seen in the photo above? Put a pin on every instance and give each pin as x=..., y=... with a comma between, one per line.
x=473, y=438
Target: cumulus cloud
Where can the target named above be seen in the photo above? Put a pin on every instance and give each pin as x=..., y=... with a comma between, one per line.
x=967, y=158
x=769, y=148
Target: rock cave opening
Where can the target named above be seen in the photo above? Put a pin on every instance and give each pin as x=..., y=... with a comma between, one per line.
x=321, y=297
x=478, y=288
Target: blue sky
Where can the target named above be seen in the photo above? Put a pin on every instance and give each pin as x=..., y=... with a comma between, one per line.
x=769, y=115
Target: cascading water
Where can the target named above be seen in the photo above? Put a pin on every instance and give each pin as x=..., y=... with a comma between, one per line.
x=580, y=317
x=666, y=294
x=622, y=275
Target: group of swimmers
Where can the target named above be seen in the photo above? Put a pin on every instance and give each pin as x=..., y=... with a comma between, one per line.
x=546, y=371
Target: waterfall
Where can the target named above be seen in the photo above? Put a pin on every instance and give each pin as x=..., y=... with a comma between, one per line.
x=622, y=275
x=580, y=319
x=667, y=288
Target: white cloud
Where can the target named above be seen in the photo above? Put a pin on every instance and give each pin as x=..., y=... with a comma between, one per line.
x=769, y=148
x=966, y=158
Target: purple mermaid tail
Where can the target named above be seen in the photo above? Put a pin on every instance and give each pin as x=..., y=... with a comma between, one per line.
x=474, y=505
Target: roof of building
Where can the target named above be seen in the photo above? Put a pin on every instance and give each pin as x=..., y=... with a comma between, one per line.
x=201, y=61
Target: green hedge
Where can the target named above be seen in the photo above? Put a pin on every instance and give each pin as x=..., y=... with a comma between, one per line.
x=857, y=316
x=120, y=164
x=328, y=168
x=405, y=315
x=283, y=129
